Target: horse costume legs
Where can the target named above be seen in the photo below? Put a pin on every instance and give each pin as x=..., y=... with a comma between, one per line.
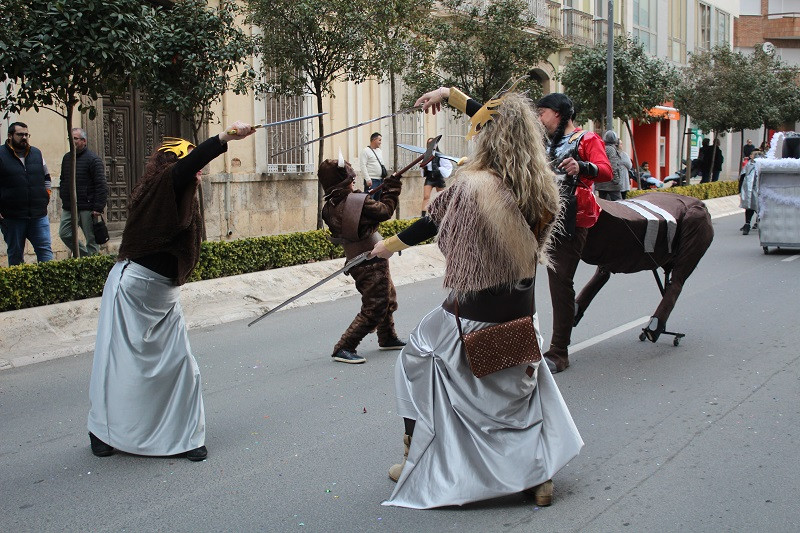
x=587, y=294
x=694, y=237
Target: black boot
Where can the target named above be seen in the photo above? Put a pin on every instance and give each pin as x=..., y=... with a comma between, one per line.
x=100, y=448
x=746, y=229
x=198, y=454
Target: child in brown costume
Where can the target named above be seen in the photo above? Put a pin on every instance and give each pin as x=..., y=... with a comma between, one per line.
x=353, y=219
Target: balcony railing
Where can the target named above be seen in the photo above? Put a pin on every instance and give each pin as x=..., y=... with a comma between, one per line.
x=578, y=26
x=601, y=30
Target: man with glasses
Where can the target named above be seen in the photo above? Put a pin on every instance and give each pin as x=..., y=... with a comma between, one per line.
x=24, y=195
x=91, y=189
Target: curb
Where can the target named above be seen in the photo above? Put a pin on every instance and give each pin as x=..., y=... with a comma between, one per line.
x=50, y=332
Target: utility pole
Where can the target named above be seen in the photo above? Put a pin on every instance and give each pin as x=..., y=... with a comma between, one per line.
x=610, y=69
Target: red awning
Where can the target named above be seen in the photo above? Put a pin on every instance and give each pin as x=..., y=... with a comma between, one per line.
x=664, y=112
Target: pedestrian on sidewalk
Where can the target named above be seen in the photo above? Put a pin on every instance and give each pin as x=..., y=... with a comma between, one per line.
x=353, y=218
x=373, y=171
x=470, y=438
x=24, y=195
x=145, y=390
x=92, y=192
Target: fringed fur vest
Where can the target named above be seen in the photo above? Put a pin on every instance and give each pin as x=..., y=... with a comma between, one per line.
x=483, y=235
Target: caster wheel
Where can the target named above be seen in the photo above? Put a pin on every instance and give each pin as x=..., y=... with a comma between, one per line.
x=676, y=341
x=766, y=249
x=642, y=336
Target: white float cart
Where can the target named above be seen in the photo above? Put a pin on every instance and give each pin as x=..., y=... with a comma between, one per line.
x=778, y=200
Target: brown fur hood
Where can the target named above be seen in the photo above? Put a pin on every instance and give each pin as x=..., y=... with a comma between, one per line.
x=483, y=235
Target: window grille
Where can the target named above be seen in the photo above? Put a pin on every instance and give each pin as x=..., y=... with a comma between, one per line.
x=278, y=138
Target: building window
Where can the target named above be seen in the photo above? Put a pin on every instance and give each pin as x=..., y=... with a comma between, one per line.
x=677, y=31
x=750, y=7
x=776, y=7
x=644, y=23
x=704, y=27
x=723, y=27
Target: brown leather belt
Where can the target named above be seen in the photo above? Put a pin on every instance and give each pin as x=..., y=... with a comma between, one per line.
x=495, y=304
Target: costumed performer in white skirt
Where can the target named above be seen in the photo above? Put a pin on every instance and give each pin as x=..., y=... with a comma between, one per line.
x=467, y=438
x=145, y=389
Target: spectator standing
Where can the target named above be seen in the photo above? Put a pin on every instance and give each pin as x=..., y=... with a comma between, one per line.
x=748, y=148
x=435, y=172
x=710, y=154
x=626, y=168
x=611, y=190
x=24, y=195
x=92, y=192
x=372, y=168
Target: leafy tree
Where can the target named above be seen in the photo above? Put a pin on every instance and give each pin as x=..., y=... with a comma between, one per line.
x=715, y=90
x=199, y=54
x=778, y=95
x=485, y=44
x=641, y=82
x=400, y=34
x=65, y=55
x=308, y=45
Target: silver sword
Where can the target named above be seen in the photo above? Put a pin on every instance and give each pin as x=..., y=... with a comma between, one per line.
x=357, y=260
x=233, y=131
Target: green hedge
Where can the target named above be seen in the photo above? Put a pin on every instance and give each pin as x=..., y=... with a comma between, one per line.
x=37, y=284
x=31, y=285
x=702, y=191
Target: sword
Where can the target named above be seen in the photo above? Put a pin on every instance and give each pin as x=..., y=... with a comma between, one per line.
x=370, y=121
x=233, y=131
x=420, y=150
x=357, y=260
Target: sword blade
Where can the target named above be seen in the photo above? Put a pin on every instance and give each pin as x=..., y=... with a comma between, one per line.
x=290, y=120
x=357, y=260
x=421, y=150
x=233, y=131
x=370, y=121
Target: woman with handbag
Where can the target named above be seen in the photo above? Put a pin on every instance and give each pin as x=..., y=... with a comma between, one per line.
x=470, y=438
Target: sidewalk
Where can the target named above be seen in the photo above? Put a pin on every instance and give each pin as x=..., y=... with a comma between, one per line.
x=49, y=332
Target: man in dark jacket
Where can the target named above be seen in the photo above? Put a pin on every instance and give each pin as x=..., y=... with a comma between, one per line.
x=24, y=195
x=92, y=191
x=708, y=153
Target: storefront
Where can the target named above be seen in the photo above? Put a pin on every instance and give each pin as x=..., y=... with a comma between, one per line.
x=653, y=141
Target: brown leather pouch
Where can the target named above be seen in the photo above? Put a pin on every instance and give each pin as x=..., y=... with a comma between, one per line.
x=501, y=346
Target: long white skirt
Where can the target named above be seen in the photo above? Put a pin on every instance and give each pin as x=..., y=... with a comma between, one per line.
x=145, y=390
x=474, y=438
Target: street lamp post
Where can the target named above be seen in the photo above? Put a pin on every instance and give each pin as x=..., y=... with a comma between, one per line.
x=610, y=68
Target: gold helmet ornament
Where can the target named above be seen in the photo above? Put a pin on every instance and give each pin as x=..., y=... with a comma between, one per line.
x=179, y=147
x=486, y=112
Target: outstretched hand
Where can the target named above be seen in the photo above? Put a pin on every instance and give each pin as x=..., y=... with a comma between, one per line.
x=237, y=130
x=379, y=250
x=432, y=100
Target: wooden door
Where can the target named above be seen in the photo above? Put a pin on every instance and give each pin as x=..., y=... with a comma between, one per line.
x=130, y=134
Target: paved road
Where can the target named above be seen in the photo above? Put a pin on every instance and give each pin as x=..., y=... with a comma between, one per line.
x=699, y=437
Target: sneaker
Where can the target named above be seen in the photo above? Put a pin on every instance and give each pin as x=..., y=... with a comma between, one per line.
x=100, y=448
x=346, y=356
x=745, y=226
x=198, y=454
x=746, y=229
x=392, y=344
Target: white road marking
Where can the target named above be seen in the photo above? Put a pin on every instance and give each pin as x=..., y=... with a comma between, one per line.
x=791, y=258
x=608, y=334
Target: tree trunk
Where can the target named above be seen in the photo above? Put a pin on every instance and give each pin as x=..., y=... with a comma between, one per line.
x=200, y=198
x=635, y=157
x=393, y=96
x=73, y=188
x=320, y=191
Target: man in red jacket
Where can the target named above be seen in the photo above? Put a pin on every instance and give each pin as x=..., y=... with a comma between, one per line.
x=579, y=159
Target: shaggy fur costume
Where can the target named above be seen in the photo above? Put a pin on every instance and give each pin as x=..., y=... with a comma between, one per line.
x=487, y=241
x=372, y=278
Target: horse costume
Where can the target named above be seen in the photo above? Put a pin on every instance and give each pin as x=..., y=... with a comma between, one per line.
x=655, y=230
